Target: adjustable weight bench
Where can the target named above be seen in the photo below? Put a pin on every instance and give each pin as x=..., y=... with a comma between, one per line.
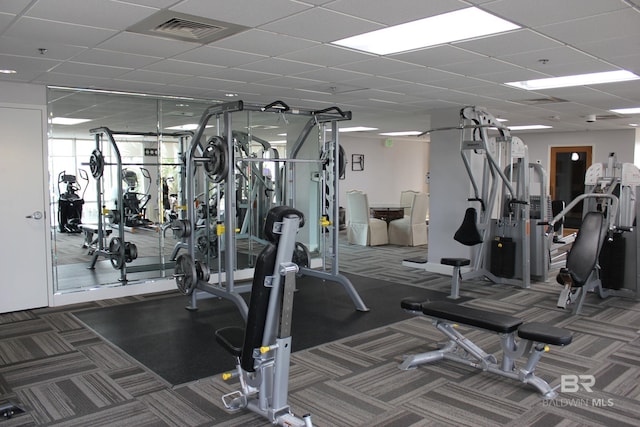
x=534, y=340
x=263, y=347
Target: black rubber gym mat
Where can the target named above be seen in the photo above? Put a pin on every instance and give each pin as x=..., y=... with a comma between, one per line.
x=179, y=345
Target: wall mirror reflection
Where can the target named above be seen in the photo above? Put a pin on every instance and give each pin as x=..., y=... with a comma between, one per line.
x=118, y=180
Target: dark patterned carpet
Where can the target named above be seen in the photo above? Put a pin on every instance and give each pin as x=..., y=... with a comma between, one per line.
x=64, y=374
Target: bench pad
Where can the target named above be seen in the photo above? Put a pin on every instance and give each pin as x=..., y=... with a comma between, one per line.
x=412, y=303
x=546, y=334
x=496, y=322
x=455, y=262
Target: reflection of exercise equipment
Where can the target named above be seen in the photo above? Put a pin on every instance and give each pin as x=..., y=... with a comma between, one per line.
x=263, y=348
x=70, y=202
x=118, y=250
x=134, y=203
x=603, y=257
x=534, y=341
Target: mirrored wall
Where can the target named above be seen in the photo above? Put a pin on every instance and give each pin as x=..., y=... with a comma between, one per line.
x=118, y=178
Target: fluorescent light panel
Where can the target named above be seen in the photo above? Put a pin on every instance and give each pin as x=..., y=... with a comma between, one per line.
x=402, y=133
x=635, y=110
x=529, y=127
x=356, y=129
x=68, y=121
x=576, y=80
x=448, y=27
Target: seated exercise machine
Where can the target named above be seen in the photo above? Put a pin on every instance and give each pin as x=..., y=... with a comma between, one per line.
x=604, y=255
x=534, y=341
x=263, y=348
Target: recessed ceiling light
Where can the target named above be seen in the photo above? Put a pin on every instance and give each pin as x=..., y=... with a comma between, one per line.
x=188, y=126
x=402, y=133
x=576, y=80
x=67, y=121
x=448, y=27
x=635, y=110
x=356, y=129
x=635, y=125
x=230, y=95
x=8, y=71
x=529, y=127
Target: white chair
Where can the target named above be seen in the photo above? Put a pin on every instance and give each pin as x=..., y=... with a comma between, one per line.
x=406, y=199
x=411, y=230
x=361, y=229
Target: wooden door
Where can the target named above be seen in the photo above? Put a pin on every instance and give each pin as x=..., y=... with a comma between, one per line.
x=566, y=172
x=25, y=263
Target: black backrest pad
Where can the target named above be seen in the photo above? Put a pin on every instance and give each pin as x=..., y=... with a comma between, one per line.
x=277, y=214
x=258, y=305
x=468, y=233
x=584, y=253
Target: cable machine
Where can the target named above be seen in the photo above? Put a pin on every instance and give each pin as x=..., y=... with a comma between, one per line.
x=497, y=224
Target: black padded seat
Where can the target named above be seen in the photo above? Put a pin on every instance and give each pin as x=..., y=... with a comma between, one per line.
x=546, y=334
x=455, y=262
x=500, y=323
x=412, y=303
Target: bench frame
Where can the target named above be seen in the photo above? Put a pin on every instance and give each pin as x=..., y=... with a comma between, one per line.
x=462, y=350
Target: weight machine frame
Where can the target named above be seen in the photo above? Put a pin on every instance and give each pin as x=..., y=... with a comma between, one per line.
x=223, y=117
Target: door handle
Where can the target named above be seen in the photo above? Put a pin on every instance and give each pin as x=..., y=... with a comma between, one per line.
x=35, y=215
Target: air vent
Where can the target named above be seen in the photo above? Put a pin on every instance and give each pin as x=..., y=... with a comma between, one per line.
x=192, y=30
x=540, y=101
x=184, y=27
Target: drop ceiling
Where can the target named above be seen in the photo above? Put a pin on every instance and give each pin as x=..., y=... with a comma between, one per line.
x=281, y=49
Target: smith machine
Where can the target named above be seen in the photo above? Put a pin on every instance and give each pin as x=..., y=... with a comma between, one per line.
x=221, y=162
x=130, y=205
x=500, y=235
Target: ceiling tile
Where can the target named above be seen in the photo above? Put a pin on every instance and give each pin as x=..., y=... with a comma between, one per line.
x=327, y=55
x=264, y=43
x=146, y=45
x=153, y=77
x=321, y=25
x=56, y=32
x=22, y=47
x=91, y=13
x=116, y=59
x=280, y=66
x=542, y=12
x=500, y=45
x=212, y=55
x=609, y=26
x=249, y=13
x=559, y=61
x=401, y=12
x=380, y=66
x=80, y=69
x=183, y=67
x=438, y=55
x=27, y=68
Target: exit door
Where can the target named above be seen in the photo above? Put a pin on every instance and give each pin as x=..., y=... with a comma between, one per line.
x=567, y=171
x=24, y=262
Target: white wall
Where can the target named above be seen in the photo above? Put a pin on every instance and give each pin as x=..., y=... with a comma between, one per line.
x=387, y=170
x=621, y=142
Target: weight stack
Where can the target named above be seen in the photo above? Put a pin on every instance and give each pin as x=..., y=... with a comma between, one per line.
x=612, y=264
x=503, y=257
